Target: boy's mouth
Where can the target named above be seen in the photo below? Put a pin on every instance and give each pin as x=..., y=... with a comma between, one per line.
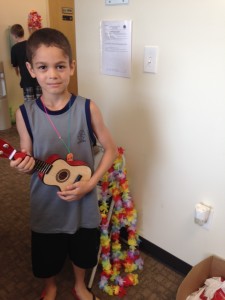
x=53, y=84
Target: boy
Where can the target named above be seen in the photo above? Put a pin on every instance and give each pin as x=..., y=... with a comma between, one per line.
x=62, y=222
x=30, y=86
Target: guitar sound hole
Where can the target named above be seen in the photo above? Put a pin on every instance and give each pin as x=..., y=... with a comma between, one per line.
x=62, y=175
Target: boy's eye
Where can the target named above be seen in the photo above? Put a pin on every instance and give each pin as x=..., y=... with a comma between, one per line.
x=60, y=67
x=42, y=67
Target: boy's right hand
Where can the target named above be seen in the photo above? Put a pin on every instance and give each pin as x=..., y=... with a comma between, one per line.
x=23, y=165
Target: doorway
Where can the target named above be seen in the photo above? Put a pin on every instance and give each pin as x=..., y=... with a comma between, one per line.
x=62, y=17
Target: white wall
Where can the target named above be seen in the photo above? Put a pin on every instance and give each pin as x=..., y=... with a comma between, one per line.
x=171, y=124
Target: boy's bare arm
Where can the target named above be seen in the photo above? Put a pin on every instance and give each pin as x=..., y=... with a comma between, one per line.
x=23, y=165
x=104, y=137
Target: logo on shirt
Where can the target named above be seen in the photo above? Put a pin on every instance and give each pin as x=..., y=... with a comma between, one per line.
x=81, y=138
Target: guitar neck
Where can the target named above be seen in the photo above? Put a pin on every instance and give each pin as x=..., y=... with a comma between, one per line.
x=42, y=166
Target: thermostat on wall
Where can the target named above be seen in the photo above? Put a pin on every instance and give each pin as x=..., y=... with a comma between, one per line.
x=116, y=2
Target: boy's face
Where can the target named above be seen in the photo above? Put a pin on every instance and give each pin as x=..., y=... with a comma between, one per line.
x=52, y=69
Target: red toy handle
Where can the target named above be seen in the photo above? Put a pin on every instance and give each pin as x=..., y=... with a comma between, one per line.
x=20, y=155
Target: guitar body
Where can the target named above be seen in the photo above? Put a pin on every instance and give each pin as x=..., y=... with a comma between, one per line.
x=64, y=173
x=55, y=171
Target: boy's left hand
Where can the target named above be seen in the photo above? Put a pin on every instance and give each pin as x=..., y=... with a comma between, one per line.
x=75, y=191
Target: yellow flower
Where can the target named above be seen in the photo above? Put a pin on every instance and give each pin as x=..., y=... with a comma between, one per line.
x=107, y=267
x=116, y=246
x=116, y=290
x=132, y=242
x=105, y=241
x=109, y=290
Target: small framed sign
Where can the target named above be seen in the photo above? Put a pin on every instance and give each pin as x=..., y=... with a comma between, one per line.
x=67, y=18
x=67, y=10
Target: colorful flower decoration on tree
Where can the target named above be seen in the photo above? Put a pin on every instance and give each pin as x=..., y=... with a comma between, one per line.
x=115, y=260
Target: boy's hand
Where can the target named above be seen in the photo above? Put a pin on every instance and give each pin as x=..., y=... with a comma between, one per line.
x=23, y=165
x=75, y=191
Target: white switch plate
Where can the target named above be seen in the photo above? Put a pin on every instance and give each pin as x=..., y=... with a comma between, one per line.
x=150, y=59
x=208, y=224
x=116, y=2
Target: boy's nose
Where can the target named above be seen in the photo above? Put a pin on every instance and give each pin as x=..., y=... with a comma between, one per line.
x=52, y=73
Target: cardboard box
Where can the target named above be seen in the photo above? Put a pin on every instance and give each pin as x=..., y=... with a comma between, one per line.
x=212, y=266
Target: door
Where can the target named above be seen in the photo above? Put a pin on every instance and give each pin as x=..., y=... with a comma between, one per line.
x=61, y=17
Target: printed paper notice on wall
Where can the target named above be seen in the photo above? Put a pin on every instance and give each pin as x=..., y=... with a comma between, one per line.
x=116, y=48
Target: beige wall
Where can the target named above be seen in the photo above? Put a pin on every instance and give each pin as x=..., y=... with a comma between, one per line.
x=11, y=12
x=172, y=124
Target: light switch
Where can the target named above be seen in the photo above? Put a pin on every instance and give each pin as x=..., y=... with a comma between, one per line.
x=150, y=59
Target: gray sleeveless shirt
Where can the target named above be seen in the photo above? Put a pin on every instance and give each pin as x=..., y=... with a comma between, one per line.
x=50, y=214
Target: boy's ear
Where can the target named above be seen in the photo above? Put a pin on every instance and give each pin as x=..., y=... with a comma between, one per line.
x=30, y=69
x=72, y=67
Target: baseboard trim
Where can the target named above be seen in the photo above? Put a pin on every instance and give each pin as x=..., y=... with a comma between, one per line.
x=164, y=256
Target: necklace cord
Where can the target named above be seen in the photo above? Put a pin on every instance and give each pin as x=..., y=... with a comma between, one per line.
x=56, y=130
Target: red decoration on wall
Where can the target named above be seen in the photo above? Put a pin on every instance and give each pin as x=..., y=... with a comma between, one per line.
x=34, y=20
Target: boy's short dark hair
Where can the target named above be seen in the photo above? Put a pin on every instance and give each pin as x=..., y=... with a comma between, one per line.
x=17, y=30
x=48, y=37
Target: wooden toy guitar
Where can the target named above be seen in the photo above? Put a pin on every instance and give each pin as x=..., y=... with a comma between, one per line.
x=53, y=171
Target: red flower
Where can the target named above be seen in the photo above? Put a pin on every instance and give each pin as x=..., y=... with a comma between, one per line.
x=105, y=250
x=104, y=220
x=122, y=292
x=110, y=170
x=115, y=236
x=105, y=186
x=120, y=150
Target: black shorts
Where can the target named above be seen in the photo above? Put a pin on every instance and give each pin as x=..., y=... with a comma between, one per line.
x=49, y=251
